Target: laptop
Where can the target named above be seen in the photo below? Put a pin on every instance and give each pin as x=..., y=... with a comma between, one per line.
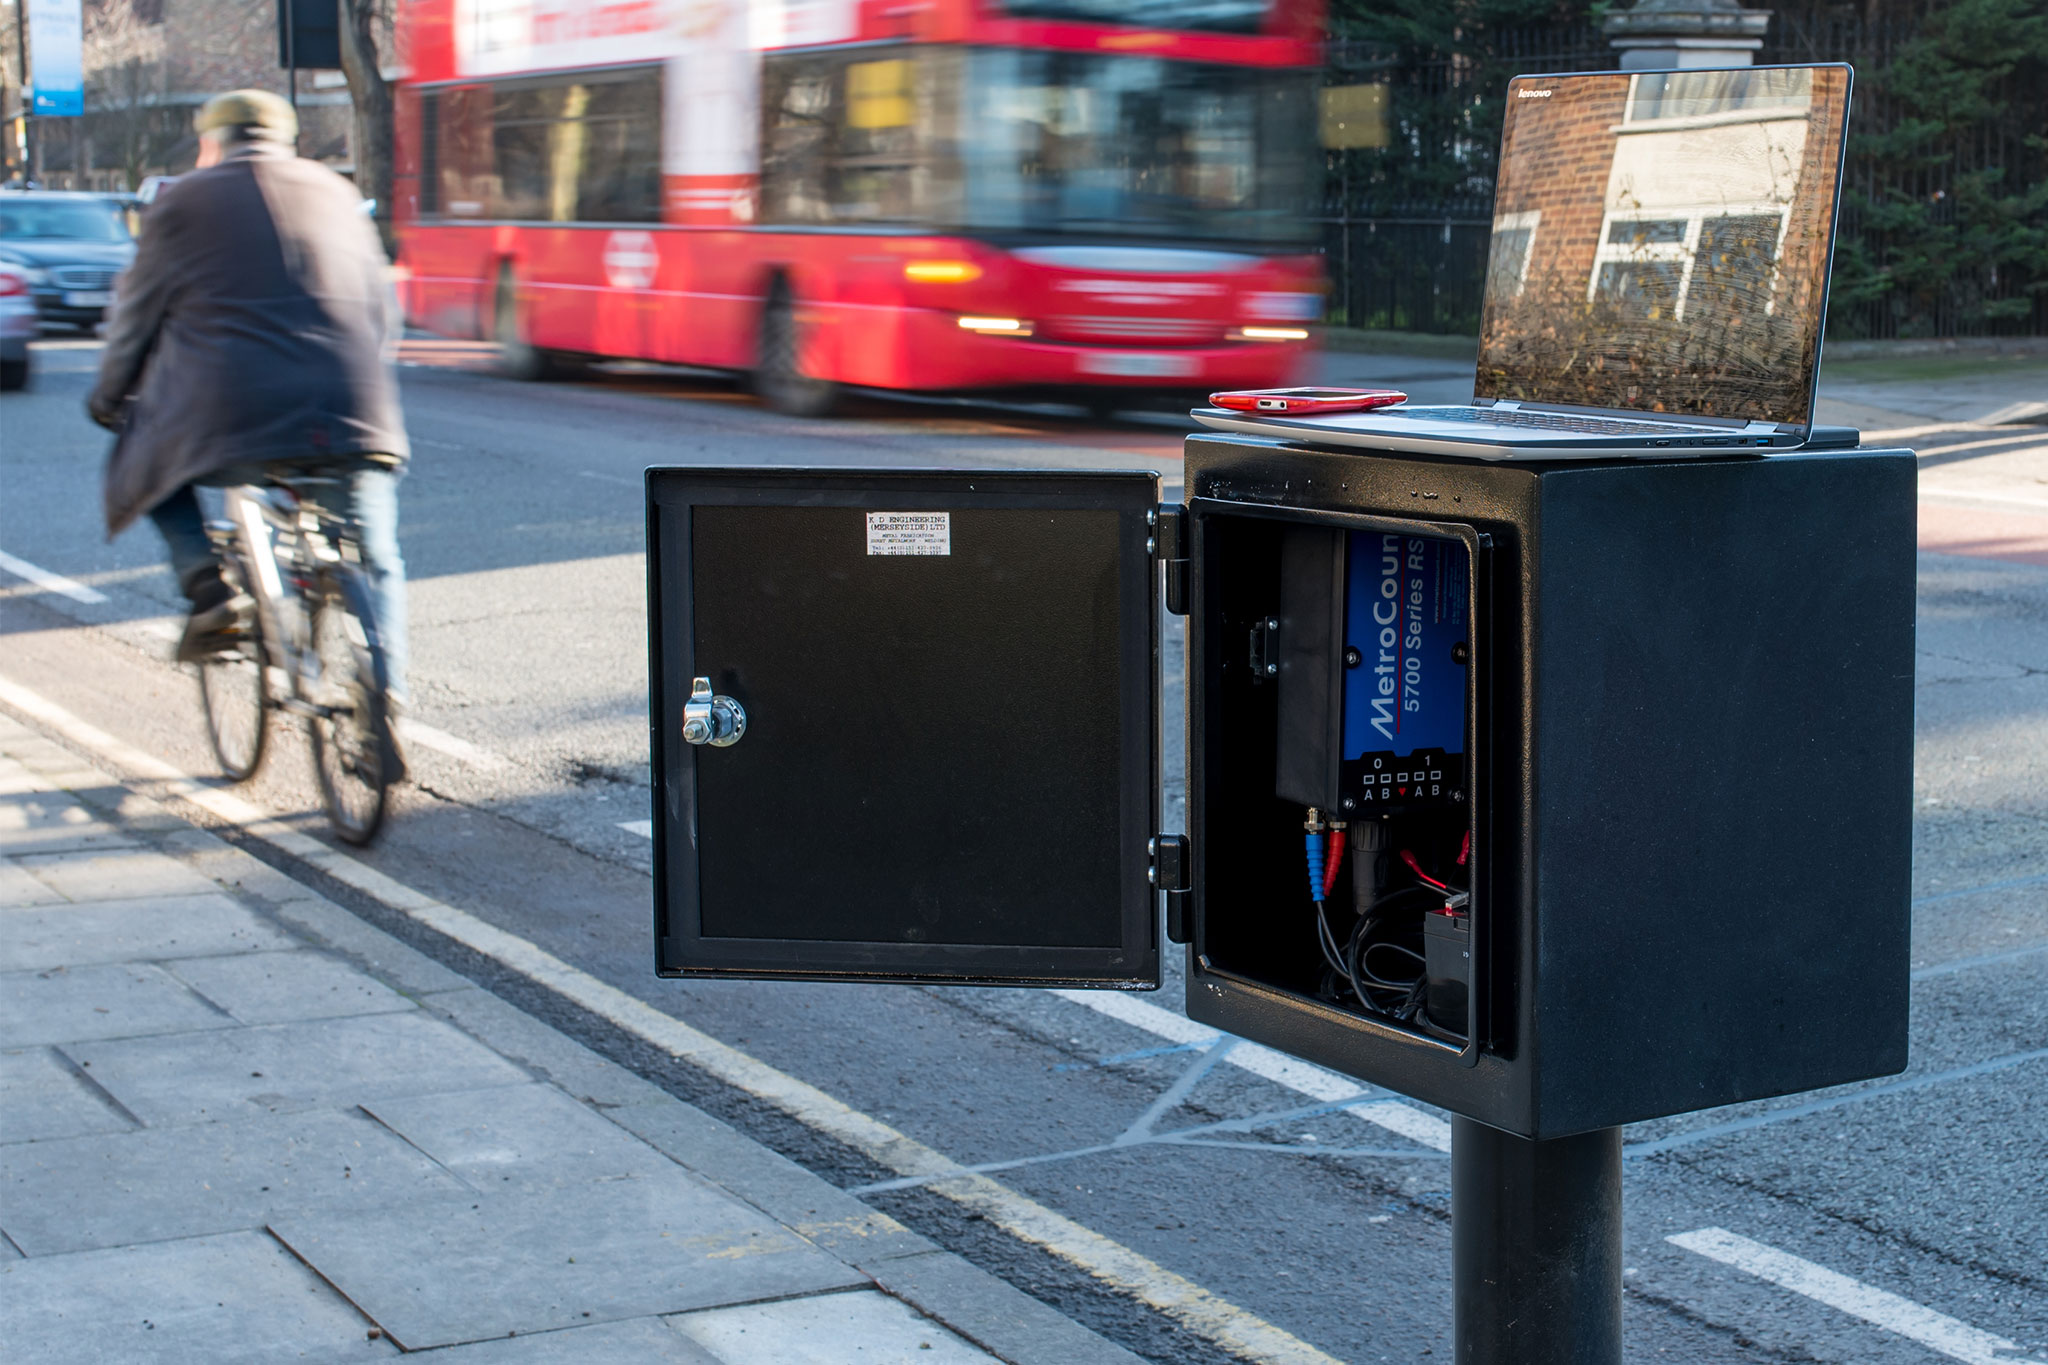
x=1657, y=277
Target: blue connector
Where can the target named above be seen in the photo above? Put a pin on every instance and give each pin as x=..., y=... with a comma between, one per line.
x=1315, y=867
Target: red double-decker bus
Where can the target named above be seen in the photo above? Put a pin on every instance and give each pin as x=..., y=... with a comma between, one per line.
x=940, y=195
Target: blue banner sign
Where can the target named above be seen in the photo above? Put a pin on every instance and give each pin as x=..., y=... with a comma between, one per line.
x=56, y=35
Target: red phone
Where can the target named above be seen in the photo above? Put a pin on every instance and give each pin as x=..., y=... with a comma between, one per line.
x=1298, y=401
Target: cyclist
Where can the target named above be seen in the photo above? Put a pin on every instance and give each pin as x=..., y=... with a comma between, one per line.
x=254, y=334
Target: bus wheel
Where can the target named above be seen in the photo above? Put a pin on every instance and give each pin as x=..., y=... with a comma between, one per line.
x=517, y=358
x=778, y=379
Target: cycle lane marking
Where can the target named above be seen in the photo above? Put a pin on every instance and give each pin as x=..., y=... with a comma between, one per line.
x=1304, y=1078
x=454, y=746
x=1118, y=1267
x=1878, y=1307
x=51, y=582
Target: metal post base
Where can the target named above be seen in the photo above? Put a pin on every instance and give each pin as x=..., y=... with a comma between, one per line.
x=1535, y=1247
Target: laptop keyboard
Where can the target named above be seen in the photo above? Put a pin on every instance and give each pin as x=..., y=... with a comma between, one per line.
x=1554, y=421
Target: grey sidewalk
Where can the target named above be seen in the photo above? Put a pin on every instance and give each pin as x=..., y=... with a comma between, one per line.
x=239, y=1124
x=1870, y=386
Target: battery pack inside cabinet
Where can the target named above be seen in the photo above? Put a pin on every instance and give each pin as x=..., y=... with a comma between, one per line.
x=1374, y=638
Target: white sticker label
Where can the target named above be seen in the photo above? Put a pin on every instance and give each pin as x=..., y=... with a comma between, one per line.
x=910, y=533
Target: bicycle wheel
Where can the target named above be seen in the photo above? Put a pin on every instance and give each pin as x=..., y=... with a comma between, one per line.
x=233, y=688
x=353, y=751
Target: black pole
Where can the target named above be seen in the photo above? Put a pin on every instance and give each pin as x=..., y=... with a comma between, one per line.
x=1535, y=1247
x=28, y=127
x=291, y=58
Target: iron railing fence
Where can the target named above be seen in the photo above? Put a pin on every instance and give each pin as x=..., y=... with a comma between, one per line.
x=1405, y=224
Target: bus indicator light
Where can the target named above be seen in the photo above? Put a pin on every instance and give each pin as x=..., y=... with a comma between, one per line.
x=941, y=272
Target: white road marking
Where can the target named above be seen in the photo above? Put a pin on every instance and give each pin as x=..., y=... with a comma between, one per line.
x=51, y=582
x=643, y=828
x=430, y=737
x=1936, y=1331
x=1889, y=434
x=1953, y=494
x=2006, y=440
x=611, y=478
x=1303, y=1078
x=1117, y=1266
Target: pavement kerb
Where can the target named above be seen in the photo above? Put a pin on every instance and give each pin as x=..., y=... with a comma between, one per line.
x=987, y=1311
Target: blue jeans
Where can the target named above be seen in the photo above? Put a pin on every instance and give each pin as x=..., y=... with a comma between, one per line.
x=370, y=500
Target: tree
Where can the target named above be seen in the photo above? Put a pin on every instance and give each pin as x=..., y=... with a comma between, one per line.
x=126, y=84
x=365, y=36
x=1946, y=212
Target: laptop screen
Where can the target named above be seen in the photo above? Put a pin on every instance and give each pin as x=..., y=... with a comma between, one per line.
x=1661, y=241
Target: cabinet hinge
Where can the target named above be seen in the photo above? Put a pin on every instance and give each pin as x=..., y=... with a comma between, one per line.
x=1169, y=872
x=1169, y=545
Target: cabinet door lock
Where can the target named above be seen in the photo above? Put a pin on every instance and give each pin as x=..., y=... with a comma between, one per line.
x=717, y=721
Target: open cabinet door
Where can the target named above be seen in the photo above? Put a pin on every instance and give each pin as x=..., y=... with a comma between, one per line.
x=923, y=740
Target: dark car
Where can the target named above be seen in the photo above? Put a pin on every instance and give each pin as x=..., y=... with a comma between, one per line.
x=17, y=327
x=70, y=246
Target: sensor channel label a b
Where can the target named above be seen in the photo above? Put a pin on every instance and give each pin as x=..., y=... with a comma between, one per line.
x=1406, y=636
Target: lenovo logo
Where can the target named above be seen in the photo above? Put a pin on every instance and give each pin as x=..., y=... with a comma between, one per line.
x=1532, y=94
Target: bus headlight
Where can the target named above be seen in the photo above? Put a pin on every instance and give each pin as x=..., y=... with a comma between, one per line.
x=941, y=272
x=1269, y=334
x=1007, y=327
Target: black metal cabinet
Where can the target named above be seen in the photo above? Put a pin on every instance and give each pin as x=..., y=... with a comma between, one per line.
x=1693, y=778
x=905, y=729
x=929, y=725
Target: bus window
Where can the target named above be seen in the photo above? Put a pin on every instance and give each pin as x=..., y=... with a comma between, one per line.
x=1129, y=145
x=582, y=150
x=1017, y=140
x=862, y=137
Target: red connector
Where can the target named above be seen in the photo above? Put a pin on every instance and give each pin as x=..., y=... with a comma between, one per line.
x=1416, y=868
x=1332, y=861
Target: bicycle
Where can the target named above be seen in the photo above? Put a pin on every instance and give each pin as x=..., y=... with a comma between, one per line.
x=314, y=623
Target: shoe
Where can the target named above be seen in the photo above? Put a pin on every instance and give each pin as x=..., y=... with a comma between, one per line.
x=215, y=629
x=395, y=706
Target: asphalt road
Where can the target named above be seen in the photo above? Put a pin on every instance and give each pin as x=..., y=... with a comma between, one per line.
x=523, y=531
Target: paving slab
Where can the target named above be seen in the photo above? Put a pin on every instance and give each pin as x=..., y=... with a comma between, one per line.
x=559, y=1258
x=115, y=1000
x=115, y=874
x=46, y=1097
x=779, y=1187
x=238, y=1073
x=860, y=1328
x=276, y=988
x=205, y=1300
x=18, y=888
x=14, y=777
x=335, y=929
x=994, y=1312
x=51, y=822
x=149, y=928
x=515, y=1139
x=642, y=1341
x=153, y=1185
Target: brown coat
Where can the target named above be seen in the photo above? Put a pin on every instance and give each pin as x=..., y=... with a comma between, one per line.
x=252, y=327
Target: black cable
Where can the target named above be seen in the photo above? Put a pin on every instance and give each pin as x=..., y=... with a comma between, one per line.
x=1364, y=983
